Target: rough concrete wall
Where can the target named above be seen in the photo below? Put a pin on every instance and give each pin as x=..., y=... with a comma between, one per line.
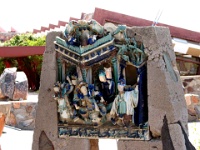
x=46, y=128
x=165, y=93
x=139, y=145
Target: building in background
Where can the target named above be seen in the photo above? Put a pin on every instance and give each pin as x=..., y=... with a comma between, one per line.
x=186, y=42
x=7, y=35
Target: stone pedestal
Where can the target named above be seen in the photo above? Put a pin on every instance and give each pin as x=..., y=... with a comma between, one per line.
x=165, y=98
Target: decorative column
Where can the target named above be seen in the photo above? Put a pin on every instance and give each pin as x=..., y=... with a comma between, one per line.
x=115, y=67
x=63, y=71
x=89, y=76
x=84, y=74
x=59, y=64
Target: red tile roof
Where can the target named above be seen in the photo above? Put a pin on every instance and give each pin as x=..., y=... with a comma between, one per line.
x=43, y=29
x=72, y=18
x=103, y=16
x=52, y=26
x=36, y=31
x=61, y=23
x=2, y=30
x=13, y=30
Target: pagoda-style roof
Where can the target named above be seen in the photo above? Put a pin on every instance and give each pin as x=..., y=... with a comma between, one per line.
x=79, y=46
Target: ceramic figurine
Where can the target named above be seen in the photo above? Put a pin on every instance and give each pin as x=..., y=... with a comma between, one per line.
x=64, y=108
x=131, y=98
x=124, y=104
x=103, y=110
x=57, y=91
x=66, y=87
x=119, y=107
x=108, y=72
x=87, y=107
x=96, y=27
x=99, y=101
x=107, y=88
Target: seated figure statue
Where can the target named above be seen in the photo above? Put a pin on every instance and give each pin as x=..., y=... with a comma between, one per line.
x=87, y=106
x=61, y=95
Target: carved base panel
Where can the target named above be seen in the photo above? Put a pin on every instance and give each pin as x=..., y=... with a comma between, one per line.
x=105, y=131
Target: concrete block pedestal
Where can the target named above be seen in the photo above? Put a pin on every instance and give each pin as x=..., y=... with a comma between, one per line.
x=166, y=103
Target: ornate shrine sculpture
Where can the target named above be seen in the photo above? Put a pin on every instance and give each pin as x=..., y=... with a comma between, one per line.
x=96, y=97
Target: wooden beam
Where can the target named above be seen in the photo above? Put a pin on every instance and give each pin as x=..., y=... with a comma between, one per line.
x=188, y=60
x=21, y=51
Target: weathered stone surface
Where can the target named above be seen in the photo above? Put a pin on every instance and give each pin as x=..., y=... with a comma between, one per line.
x=4, y=113
x=22, y=114
x=193, y=105
x=21, y=87
x=1, y=95
x=197, y=111
x=94, y=144
x=174, y=137
x=165, y=93
x=13, y=84
x=44, y=142
x=5, y=108
x=46, y=116
x=177, y=137
x=2, y=123
x=191, y=84
x=11, y=120
x=139, y=145
x=7, y=82
x=165, y=136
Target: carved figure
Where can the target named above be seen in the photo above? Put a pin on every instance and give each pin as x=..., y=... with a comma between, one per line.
x=64, y=108
x=96, y=27
x=87, y=106
x=107, y=88
x=124, y=104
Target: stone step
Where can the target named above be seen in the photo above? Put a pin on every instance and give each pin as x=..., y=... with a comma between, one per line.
x=22, y=114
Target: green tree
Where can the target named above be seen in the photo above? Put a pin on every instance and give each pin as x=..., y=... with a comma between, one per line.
x=31, y=65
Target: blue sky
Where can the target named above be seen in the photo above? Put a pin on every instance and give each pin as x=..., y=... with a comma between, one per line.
x=26, y=15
